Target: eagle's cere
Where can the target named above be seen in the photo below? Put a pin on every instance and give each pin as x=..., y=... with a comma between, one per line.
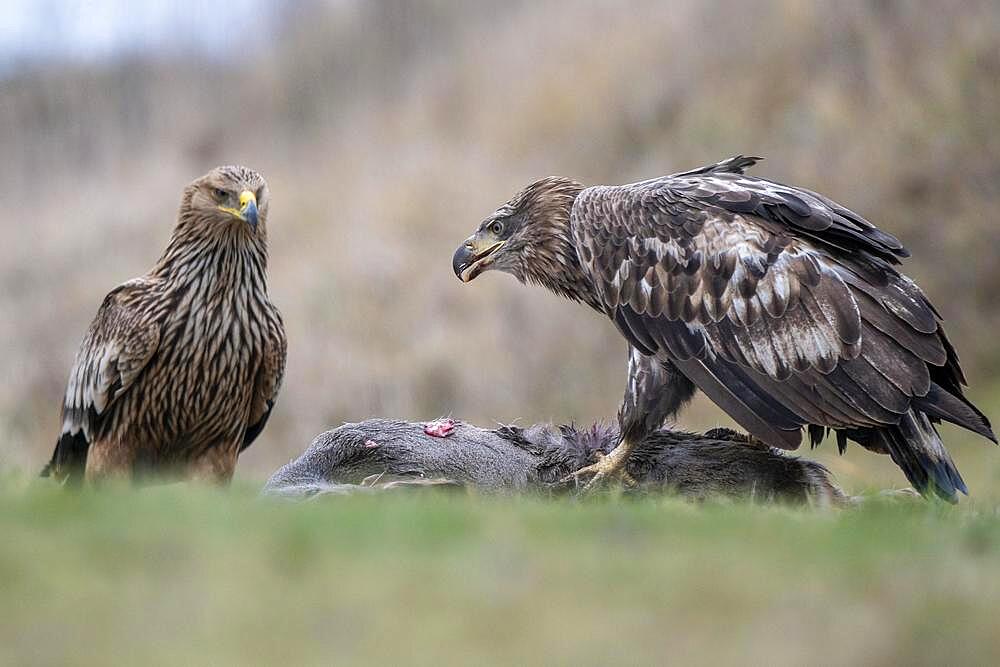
x=181, y=367
x=782, y=306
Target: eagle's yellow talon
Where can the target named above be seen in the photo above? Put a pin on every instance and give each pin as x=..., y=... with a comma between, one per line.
x=607, y=468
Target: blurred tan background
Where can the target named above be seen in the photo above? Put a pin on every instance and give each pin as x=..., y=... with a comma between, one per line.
x=387, y=130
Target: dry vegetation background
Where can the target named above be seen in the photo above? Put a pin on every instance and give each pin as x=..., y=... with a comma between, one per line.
x=388, y=130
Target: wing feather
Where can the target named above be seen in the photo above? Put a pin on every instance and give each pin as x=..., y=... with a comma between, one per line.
x=269, y=377
x=118, y=346
x=781, y=305
x=743, y=402
x=122, y=339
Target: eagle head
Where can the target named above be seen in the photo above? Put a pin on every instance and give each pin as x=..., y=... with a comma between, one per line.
x=528, y=237
x=227, y=195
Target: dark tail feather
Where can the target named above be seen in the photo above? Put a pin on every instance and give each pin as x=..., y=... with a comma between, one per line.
x=69, y=460
x=916, y=448
x=941, y=404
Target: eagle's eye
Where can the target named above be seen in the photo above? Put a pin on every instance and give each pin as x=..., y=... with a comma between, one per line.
x=220, y=194
x=496, y=228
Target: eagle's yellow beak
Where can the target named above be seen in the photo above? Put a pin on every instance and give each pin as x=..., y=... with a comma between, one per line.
x=248, y=207
x=474, y=256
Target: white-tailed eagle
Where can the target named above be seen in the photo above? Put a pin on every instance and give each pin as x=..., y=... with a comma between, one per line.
x=782, y=306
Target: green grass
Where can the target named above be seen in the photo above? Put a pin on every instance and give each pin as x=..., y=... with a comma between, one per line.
x=186, y=575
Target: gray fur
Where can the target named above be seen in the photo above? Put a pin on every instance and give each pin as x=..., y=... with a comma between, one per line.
x=511, y=459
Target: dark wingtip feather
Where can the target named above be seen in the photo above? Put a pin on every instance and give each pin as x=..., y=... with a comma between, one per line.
x=738, y=164
x=254, y=430
x=69, y=459
x=887, y=240
x=985, y=429
x=939, y=403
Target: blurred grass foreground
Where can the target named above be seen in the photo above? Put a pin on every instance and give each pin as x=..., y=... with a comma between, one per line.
x=181, y=575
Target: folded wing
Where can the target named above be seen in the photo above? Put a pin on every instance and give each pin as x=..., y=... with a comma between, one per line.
x=784, y=307
x=118, y=346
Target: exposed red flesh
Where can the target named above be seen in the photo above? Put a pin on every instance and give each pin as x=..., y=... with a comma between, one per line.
x=440, y=428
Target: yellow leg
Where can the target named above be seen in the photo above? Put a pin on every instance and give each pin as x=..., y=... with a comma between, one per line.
x=608, y=467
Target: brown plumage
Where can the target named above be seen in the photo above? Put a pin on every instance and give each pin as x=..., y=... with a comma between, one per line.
x=181, y=367
x=783, y=306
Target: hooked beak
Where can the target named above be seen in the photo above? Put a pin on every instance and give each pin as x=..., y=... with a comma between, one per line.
x=248, y=208
x=473, y=257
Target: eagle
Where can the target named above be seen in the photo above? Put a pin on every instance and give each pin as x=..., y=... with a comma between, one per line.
x=785, y=308
x=181, y=367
